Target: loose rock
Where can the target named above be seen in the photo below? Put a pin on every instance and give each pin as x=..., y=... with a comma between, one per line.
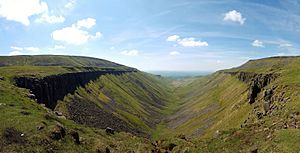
x=12, y=135
x=109, y=130
x=171, y=146
x=58, y=132
x=58, y=113
x=75, y=136
x=40, y=127
x=31, y=96
x=254, y=149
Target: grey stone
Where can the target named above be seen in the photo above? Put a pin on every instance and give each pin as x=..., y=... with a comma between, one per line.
x=109, y=130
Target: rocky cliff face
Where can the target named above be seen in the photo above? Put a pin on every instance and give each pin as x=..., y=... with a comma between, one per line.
x=256, y=82
x=50, y=89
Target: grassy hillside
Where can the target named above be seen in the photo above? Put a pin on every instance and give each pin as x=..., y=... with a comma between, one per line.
x=218, y=100
x=136, y=98
x=29, y=127
x=251, y=107
x=216, y=112
x=45, y=65
x=55, y=60
x=133, y=101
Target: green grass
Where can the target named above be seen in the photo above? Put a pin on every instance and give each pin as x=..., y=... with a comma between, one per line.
x=287, y=140
x=13, y=101
x=55, y=60
x=132, y=97
x=213, y=98
x=217, y=104
x=44, y=65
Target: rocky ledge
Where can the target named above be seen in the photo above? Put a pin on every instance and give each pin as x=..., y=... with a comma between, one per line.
x=256, y=82
x=48, y=90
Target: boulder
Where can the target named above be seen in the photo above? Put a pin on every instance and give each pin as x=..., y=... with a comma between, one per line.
x=107, y=150
x=58, y=113
x=109, y=130
x=259, y=115
x=182, y=136
x=267, y=99
x=75, y=136
x=40, y=127
x=12, y=135
x=254, y=149
x=25, y=113
x=171, y=146
x=31, y=96
x=267, y=106
x=62, y=117
x=1, y=78
x=257, y=83
x=253, y=91
x=58, y=132
x=268, y=94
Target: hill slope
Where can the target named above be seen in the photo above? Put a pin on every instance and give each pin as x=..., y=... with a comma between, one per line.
x=90, y=95
x=254, y=107
x=132, y=102
x=55, y=60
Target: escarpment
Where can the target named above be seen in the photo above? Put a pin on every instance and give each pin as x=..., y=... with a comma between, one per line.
x=256, y=82
x=48, y=90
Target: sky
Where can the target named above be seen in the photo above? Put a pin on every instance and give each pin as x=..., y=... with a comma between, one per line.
x=174, y=35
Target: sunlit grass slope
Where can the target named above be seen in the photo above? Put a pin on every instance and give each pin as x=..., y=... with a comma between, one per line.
x=137, y=98
x=215, y=110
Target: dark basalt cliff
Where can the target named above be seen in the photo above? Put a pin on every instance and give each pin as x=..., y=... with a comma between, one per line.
x=50, y=89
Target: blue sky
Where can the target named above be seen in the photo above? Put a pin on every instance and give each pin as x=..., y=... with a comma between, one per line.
x=181, y=35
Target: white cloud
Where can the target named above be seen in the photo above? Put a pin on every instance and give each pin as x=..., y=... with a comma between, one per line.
x=46, y=18
x=14, y=53
x=98, y=35
x=86, y=23
x=32, y=49
x=130, y=52
x=190, y=42
x=187, y=42
x=257, y=43
x=71, y=35
x=74, y=34
x=23, y=51
x=173, y=38
x=279, y=43
x=285, y=45
x=21, y=10
x=234, y=16
x=16, y=48
x=59, y=47
x=280, y=54
x=70, y=4
x=174, y=53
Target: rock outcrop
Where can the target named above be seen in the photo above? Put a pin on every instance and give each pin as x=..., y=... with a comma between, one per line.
x=48, y=90
x=268, y=93
x=256, y=82
x=59, y=132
